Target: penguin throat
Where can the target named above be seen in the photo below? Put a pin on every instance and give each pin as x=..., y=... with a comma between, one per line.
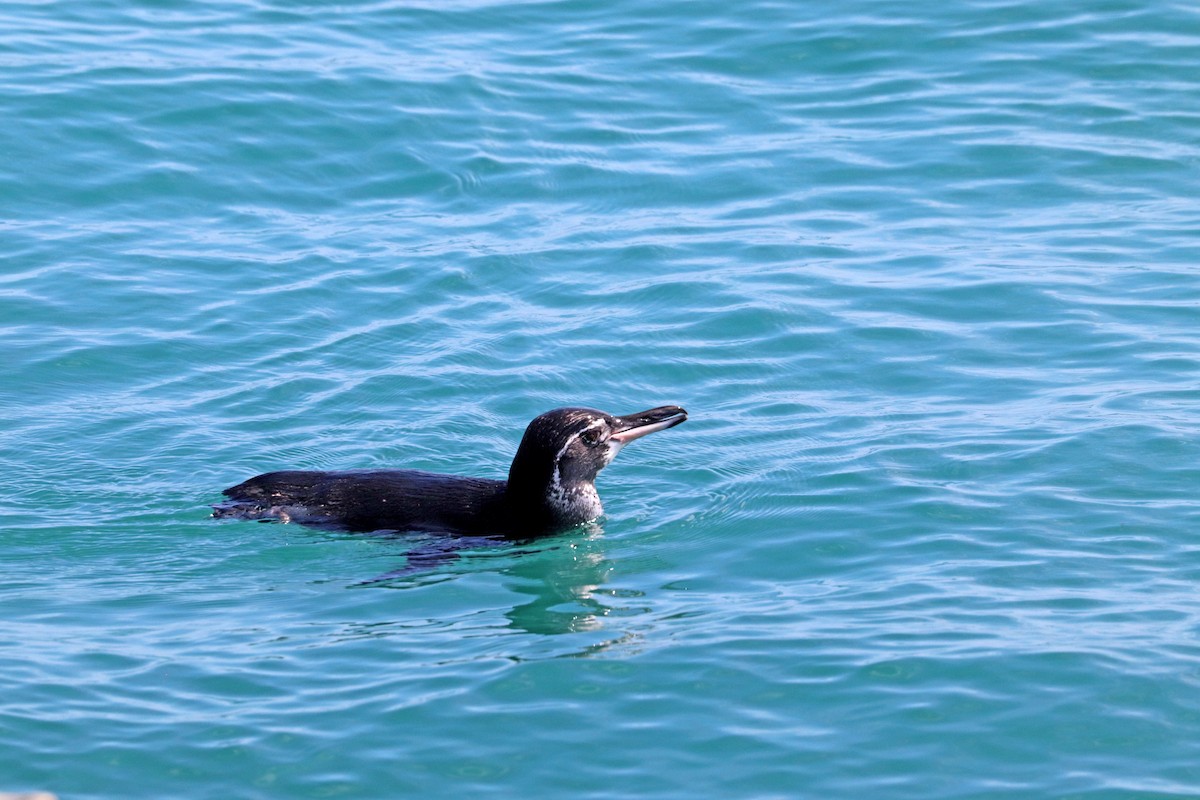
x=573, y=504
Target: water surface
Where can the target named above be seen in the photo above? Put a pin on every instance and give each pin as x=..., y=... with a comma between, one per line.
x=925, y=279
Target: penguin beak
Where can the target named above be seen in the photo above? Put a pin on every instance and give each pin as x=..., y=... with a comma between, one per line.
x=635, y=426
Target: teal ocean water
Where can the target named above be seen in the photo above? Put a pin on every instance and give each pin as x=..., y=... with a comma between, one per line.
x=925, y=276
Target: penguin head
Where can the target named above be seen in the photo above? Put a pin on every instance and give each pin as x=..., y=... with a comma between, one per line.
x=563, y=450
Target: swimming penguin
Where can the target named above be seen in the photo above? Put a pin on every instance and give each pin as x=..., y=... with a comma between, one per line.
x=550, y=484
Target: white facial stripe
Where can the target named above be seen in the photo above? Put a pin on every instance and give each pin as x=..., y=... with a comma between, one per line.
x=556, y=477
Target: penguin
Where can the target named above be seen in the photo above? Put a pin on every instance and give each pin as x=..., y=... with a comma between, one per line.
x=550, y=486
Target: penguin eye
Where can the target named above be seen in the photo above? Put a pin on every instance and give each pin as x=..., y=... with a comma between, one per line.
x=590, y=437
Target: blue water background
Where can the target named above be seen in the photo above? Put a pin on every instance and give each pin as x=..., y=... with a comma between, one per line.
x=924, y=276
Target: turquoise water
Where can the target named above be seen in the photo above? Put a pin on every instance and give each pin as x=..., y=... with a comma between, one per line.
x=925, y=278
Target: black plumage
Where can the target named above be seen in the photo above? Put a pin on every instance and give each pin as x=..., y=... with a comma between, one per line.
x=550, y=484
